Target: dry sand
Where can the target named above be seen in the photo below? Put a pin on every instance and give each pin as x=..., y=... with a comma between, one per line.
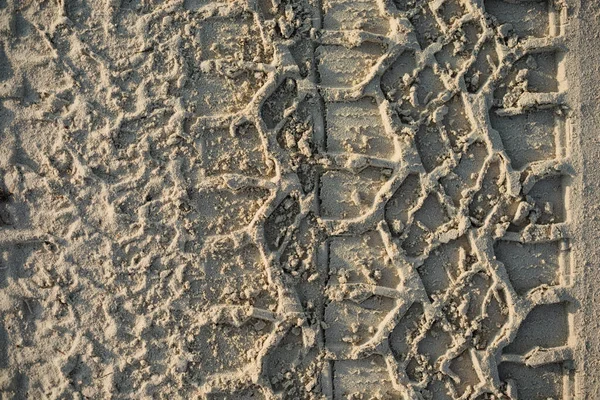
x=299, y=199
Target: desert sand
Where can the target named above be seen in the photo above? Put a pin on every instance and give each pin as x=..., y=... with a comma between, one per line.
x=299, y=199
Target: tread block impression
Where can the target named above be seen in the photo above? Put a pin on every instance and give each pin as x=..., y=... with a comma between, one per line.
x=527, y=137
x=352, y=14
x=444, y=265
x=545, y=326
x=539, y=383
x=350, y=324
x=530, y=265
x=361, y=260
x=532, y=73
x=432, y=147
x=463, y=178
x=273, y=110
x=548, y=197
x=356, y=127
x=352, y=378
x=401, y=204
x=396, y=79
x=426, y=27
x=428, y=221
x=529, y=18
x=241, y=152
x=227, y=88
x=340, y=66
x=454, y=55
x=348, y=195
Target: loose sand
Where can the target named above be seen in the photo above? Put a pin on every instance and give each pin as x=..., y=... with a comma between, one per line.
x=299, y=199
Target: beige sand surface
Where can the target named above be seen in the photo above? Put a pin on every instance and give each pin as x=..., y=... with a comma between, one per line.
x=299, y=199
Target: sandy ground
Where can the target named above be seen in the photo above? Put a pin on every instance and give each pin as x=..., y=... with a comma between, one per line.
x=299, y=199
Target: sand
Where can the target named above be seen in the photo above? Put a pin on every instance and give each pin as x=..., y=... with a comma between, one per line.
x=299, y=199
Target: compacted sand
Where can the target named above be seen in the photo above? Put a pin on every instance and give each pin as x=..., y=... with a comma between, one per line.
x=299, y=199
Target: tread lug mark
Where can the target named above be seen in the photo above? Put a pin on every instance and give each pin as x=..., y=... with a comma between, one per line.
x=278, y=223
x=274, y=107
